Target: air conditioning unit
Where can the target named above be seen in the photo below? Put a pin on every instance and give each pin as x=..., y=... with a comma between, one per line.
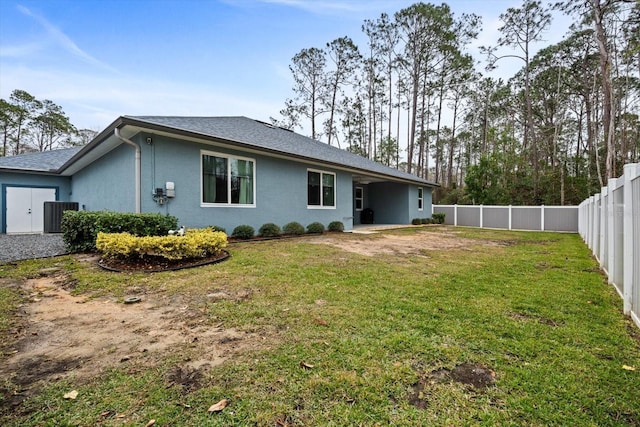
x=53, y=215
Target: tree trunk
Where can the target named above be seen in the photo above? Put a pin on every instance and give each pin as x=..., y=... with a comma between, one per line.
x=608, y=104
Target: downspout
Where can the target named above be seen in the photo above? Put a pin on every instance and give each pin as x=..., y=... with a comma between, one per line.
x=138, y=163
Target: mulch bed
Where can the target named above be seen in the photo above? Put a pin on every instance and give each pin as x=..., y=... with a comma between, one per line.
x=154, y=264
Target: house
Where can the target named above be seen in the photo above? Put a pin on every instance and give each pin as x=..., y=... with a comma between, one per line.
x=222, y=171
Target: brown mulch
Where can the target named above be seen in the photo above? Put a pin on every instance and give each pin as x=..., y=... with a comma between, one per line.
x=154, y=264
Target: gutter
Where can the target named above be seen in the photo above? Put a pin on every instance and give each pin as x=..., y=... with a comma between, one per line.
x=138, y=163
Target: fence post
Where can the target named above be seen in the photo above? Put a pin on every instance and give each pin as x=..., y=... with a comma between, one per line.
x=455, y=215
x=611, y=219
x=627, y=245
x=510, y=217
x=481, y=221
x=542, y=218
x=602, y=243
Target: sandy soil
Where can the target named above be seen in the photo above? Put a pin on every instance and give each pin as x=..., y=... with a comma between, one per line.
x=65, y=335
x=390, y=244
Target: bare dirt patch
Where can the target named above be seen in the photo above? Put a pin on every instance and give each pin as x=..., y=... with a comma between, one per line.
x=474, y=375
x=62, y=335
x=394, y=244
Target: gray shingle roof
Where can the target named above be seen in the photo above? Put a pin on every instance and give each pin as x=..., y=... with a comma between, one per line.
x=259, y=135
x=46, y=161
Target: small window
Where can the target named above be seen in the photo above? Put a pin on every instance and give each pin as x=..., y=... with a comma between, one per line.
x=321, y=189
x=227, y=180
x=420, y=198
x=359, y=199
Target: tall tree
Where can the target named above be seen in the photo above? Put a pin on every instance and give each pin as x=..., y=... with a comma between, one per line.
x=345, y=58
x=25, y=106
x=308, y=73
x=521, y=28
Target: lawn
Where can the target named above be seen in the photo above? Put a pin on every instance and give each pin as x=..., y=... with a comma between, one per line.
x=469, y=327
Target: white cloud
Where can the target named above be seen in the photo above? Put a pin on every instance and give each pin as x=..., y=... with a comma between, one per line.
x=62, y=40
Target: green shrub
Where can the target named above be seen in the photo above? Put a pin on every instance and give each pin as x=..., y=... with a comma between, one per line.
x=243, y=232
x=216, y=228
x=196, y=243
x=294, y=228
x=438, y=217
x=269, y=230
x=416, y=221
x=336, y=226
x=315, y=227
x=425, y=220
x=80, y=228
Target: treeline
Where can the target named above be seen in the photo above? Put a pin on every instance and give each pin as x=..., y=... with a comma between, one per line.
x=28, y=125
x=413, y=98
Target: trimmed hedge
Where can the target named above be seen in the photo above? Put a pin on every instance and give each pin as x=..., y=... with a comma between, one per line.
x=243, y=232
x=80, y=228
x=315, y=227
x=438, y=217
x=294, y=228
x=269, y=230
x=416, y=221
x=196, y=243
x=335, y=226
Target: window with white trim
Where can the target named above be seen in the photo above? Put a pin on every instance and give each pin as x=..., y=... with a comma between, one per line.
x=359, y=199
x=321, y=189
x=227, y=180
x=420, y=198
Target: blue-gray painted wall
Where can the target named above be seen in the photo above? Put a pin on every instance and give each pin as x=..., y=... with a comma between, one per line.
x=60, y=183
x=108, y=183
x=281, y=186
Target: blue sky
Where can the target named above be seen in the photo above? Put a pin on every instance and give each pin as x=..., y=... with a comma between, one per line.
x=100, y=59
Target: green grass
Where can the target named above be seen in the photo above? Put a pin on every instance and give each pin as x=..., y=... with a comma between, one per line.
x=530, y=306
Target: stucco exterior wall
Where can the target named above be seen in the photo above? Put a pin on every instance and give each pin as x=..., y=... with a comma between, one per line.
x=61, y=184
x=281, y=188
x=108, y=183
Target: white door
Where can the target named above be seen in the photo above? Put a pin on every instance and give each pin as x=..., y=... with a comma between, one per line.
x=25, y=208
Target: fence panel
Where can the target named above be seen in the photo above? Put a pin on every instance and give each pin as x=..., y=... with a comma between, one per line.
x=448, y=211
x=526, y=218
x=495, y=217
x=469, y=216
x=560, y=218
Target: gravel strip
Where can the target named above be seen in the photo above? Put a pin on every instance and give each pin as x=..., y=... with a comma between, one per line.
x=15, y=247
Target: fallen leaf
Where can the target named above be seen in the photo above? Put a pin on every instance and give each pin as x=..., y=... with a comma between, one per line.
x=150, y=423
x=628, y=368
x=321, y=322
x=306, y=365
x=71, y=395
x=219, y=406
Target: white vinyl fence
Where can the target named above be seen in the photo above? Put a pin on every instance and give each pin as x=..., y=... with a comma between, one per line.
x=536, y=218
x=609, y=222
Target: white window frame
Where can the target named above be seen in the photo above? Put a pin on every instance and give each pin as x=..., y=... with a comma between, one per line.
x=335, y=190
x=420, y=199
x=229, y=157
x=361, y=198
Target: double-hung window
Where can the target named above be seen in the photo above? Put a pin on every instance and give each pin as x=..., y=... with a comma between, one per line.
x=420, y=198
x=227, y=180
x=359, y=198
x=321, y=189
